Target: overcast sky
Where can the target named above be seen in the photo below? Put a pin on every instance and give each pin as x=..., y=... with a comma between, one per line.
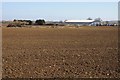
x=59, y=10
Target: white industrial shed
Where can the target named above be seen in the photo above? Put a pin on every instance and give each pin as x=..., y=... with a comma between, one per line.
x=83, y=21
x=79, y=22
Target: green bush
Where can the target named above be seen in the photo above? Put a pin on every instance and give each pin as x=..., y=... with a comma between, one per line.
x=40, y=22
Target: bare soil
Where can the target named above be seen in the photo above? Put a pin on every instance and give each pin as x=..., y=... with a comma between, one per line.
x=86, y=52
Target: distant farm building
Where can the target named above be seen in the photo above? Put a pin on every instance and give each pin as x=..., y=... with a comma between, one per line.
x=90, y=23
x=79, y=22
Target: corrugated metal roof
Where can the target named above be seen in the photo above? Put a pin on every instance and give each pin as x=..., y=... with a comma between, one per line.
x=79, y=20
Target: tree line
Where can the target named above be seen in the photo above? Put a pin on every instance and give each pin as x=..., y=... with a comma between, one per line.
x=29, y=22
x=20, y=23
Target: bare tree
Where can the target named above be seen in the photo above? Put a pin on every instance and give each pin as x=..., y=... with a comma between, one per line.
x=89, y=18
x=98, y=19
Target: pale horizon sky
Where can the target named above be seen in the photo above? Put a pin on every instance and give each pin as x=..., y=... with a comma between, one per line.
x=51, y=11
x=60, y=0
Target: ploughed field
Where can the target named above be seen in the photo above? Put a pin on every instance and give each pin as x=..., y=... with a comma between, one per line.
x=86, y=52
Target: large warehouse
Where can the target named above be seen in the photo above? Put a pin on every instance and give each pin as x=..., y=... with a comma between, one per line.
x=79, y=22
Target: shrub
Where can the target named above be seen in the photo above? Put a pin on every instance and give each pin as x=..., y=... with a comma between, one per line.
x=14, y=25
x=40, y=22
x=11, y=25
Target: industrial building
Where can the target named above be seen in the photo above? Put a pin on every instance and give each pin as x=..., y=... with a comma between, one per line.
x=78, y=22
x=90, y=23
